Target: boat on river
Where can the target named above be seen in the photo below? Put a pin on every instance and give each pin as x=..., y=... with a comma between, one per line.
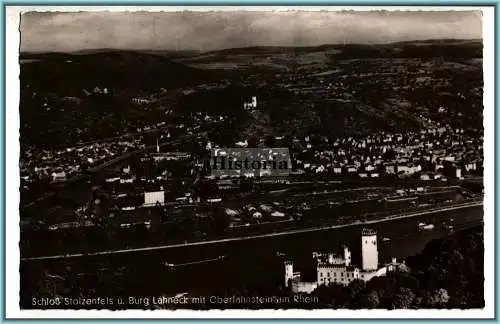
x=428, y=227
x=425, y=227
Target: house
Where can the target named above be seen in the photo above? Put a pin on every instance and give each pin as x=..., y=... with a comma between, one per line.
x=242, y=144
x=369, y=168
x=58, y=176
x=402, y=169
x=226, y=184
x=127, y=179
x=414, y=169
x=257, y=215
x=470, y=166
x=425, y=177
x=320, y=169
x=278, y=214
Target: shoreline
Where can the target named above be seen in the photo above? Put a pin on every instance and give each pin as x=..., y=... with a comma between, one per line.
x=258, y=236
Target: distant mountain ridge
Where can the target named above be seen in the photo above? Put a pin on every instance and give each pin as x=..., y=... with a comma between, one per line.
x=257, y=48
x=68, y=74
x=439, y=44
x=166, y=53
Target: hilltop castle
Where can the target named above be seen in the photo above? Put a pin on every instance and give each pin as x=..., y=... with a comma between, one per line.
x=334, y=269
x=252, y=105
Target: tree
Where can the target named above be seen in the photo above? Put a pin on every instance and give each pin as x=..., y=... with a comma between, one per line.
x=335, y=296
x=409, y=280
x=355, y=287
x=440, y=297
x=221, y=219
x=324, y=295
x=368, y=300
x=404, y=298
x=457, y=298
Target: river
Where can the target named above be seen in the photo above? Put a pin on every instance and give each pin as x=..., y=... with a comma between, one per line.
x=251, y=263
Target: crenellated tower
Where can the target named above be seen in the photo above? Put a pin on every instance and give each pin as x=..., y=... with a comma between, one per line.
x=369, y=250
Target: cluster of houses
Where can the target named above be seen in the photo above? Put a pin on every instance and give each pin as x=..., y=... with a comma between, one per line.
x=61, y=164
x=429, y=154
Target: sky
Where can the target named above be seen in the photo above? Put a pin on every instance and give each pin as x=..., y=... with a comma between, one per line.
x=206, y=31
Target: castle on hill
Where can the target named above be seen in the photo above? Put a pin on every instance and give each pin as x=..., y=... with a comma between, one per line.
x=335, y=269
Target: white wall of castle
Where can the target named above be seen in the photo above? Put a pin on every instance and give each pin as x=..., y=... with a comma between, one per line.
x=303, y=286
x=329, y=274
x=369, y=252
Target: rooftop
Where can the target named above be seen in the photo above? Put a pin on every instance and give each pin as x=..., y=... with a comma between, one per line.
x=368, y=231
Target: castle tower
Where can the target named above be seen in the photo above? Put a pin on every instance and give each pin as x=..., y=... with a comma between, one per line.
x=288, y=272
x=356, y=273
x=369, y=251
x=347, y=256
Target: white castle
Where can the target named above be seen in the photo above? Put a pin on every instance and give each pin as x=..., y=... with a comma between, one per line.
x=252, y=105
x=333, y=269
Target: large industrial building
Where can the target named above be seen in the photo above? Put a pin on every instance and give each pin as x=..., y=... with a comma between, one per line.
x=334, y=269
